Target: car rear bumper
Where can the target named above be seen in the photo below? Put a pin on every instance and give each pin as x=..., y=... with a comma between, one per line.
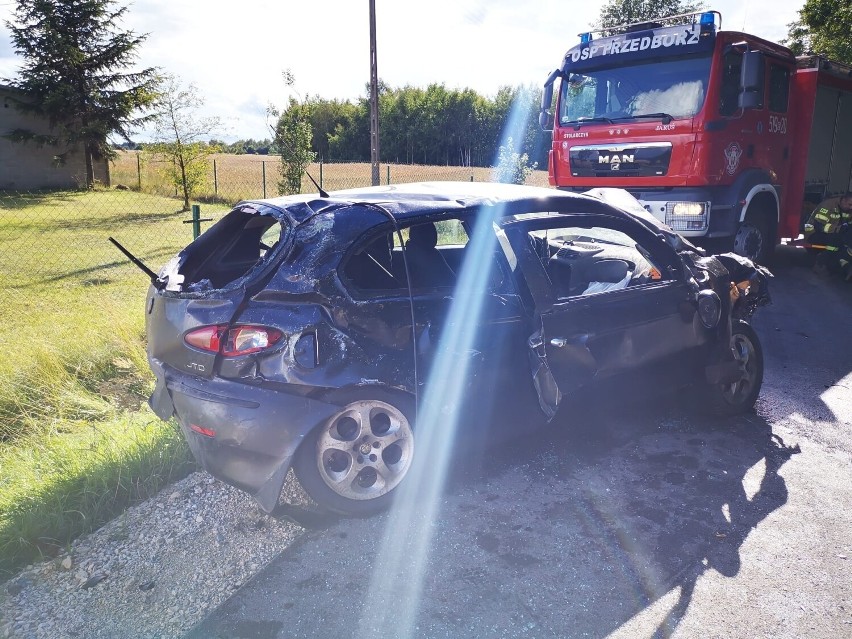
x=253, y=431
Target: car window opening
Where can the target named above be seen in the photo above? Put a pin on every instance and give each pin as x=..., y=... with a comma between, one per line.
x=584, y=261
x=435, y=253
x=229, y=250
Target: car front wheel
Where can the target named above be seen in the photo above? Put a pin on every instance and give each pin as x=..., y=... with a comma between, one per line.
x=354, y=462
x=725, y=400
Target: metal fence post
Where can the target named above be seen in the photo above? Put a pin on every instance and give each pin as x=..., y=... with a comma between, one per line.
x=215, y=180
x=139, y=169
x=388, y=168
x=320, y=173
x=263, y=166
x=196, y=220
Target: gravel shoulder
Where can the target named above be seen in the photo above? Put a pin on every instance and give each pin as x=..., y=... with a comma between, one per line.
x=155, y=571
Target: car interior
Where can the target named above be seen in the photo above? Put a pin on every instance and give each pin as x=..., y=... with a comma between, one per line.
x=434, y=252
x=583, y=261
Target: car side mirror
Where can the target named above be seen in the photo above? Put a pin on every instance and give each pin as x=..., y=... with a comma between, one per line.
x=751, y=80
x=545, y=115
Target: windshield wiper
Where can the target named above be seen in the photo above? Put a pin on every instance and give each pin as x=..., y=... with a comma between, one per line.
x=665, y=117
x=578, y=123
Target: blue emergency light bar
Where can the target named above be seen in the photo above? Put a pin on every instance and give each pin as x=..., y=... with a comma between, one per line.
x=706, y=20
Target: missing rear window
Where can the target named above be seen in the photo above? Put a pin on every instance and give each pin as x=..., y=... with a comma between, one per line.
x=227, y=252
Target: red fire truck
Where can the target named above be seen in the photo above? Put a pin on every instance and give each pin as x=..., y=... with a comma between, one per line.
x=728, y=138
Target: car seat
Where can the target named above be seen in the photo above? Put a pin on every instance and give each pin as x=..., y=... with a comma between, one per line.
x=606, y=275
x=426, y=265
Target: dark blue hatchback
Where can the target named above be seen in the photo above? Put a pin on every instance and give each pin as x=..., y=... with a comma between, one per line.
x=302, y=331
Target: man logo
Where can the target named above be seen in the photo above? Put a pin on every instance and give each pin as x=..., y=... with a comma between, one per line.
x=615, y=160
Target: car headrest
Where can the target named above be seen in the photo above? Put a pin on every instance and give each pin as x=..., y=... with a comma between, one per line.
x=423, y=235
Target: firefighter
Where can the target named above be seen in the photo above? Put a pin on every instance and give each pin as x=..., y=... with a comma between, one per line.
x=830, y=226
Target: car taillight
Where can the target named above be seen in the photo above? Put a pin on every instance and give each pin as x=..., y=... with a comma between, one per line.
x=231, y=342
x=243, y=340
x=208, y=338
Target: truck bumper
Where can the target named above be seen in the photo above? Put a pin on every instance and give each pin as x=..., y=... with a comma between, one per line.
x=721, y=217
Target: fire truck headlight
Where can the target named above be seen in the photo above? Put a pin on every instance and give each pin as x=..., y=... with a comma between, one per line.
x=687, y=216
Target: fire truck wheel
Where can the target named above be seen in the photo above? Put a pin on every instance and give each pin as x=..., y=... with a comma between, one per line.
x=754, y=239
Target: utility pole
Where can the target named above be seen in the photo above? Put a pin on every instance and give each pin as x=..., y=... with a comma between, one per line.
x=374, y=98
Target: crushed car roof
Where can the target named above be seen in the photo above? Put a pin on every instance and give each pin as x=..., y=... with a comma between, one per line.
x=423, y=198
x=405, y=201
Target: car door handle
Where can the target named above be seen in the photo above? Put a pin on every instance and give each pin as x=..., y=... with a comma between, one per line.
x=578, y=340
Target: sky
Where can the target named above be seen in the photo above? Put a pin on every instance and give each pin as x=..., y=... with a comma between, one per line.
x=234, y=53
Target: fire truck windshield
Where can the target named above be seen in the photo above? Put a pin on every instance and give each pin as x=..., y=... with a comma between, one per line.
x=673, y=88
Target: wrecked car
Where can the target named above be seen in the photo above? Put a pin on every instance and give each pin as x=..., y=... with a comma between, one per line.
x=302, y=331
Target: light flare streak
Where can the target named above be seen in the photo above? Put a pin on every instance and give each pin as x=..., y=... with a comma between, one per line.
x=393, y=599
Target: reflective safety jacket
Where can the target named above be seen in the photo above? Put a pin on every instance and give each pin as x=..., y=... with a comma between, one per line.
x=828, y=217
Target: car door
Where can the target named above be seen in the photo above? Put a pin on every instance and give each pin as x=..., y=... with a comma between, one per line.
x=610, y=300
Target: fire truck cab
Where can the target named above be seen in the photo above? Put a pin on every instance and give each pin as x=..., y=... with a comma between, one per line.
x=726, y=137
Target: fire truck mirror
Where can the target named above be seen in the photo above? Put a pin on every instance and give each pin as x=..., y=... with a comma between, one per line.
x=545, y=116
x=751, y=80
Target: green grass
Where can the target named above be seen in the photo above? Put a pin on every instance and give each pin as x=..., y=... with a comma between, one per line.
x=77, y=442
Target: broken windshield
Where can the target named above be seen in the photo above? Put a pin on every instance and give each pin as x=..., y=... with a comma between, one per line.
x=674, y=88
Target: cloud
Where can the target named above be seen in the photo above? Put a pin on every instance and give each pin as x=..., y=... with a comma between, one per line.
x=236, y=61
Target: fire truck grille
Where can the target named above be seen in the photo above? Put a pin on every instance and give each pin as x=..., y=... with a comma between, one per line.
x=610, y=161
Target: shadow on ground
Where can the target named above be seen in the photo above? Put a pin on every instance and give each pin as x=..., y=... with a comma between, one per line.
x=570, y=531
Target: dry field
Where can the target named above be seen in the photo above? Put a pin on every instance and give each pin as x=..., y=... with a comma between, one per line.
x=235, y=177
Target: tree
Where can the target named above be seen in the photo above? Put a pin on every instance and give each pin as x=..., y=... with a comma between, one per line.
x=75, y=75
x=179, y=136
x=293, y=139
x=618, y=12
x=513, y=167
x=293, y=136
x=823, y=27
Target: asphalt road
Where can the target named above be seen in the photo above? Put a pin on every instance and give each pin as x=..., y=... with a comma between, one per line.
x=636, y=519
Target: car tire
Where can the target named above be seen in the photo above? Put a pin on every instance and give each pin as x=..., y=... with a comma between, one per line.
x=353, y=463
x=726, y=400
x=755, y=239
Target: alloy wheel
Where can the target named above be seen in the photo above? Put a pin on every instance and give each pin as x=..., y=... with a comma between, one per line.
x=365, y=450
x=745, y=354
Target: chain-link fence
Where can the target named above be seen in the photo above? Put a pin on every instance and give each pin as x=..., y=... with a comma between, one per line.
x=231, y=178
x=61, y=236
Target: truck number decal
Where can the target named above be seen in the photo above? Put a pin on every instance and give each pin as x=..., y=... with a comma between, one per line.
x=777, y=124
